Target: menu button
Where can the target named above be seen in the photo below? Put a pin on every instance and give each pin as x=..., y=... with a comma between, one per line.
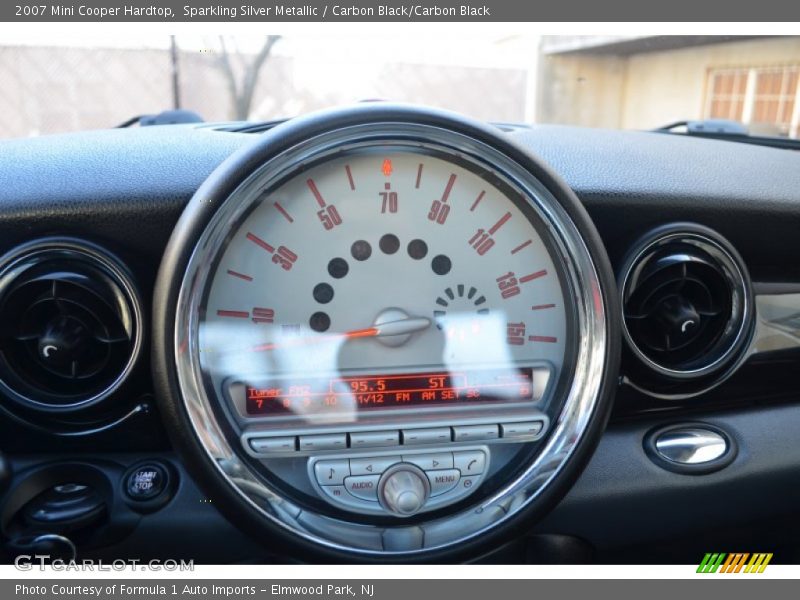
x=443, y=481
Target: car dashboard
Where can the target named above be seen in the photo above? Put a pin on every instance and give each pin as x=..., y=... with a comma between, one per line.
x=391, y=333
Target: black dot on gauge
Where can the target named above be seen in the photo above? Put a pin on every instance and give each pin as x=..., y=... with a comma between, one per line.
x=361, y=250
x=323, y=293
x=441, y=265
x=389, y=244
x=417, y=249
x=319, y=321
x=338, y=268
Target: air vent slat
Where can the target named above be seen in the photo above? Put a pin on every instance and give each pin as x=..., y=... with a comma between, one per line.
x=25, y=337
x=685, y=300
x=112, y=340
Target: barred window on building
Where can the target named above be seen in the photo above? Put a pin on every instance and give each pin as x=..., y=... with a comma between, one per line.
x=765, y=98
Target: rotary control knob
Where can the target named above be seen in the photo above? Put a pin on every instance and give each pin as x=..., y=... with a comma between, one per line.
x=403, y=489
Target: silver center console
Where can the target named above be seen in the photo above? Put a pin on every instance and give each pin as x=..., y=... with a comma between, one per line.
x=396, y=472
x=397, y=484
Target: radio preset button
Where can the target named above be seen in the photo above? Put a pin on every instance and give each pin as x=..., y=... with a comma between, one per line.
x=437, y=435
x=443, y=481
x=471, y=433
x=374, y=439
x=363, y=486
x=330, y=441
x=372, y=466
x=521, y=431
x=331, y=472
x=470, y=463
x=273, y=445
x=429, y=462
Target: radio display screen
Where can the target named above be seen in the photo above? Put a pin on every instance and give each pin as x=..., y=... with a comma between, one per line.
x=376, y=392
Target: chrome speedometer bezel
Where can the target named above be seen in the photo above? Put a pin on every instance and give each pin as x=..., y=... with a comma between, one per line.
x=203, y=228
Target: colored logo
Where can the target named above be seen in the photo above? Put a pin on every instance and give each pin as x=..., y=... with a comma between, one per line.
x=738, y=562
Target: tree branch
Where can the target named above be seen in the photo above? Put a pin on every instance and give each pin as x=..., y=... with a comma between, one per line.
x=227, y=70
x=243, y=96
x=252, y=73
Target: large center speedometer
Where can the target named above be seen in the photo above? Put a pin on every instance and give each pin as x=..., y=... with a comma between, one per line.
x=384, y=331
x=384, y=278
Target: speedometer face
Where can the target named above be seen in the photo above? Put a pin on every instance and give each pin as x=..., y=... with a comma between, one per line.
x=385, y=277
x=385, y=304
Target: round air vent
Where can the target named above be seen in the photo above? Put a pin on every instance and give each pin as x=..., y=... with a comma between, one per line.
x=70, y=324
x=687, y=305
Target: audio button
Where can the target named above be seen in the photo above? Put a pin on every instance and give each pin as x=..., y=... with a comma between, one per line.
x=363, y=486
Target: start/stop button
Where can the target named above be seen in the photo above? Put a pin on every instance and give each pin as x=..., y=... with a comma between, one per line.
x=147, y=484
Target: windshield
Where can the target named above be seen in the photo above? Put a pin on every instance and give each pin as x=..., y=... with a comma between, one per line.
x=627, y=82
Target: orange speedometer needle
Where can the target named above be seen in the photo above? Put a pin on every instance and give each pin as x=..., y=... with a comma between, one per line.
x=398, y=327
x=318, y=339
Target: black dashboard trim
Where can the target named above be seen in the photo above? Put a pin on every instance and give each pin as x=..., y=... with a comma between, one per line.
x=125, y=189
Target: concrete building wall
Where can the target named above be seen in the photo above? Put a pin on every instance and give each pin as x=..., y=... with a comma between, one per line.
x=668, y=86
x=648, y=89
x=581, y=89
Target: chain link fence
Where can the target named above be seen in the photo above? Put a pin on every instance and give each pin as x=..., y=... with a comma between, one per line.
x=59, y=89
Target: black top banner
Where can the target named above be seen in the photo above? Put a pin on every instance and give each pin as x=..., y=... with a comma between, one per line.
x=177, y=11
